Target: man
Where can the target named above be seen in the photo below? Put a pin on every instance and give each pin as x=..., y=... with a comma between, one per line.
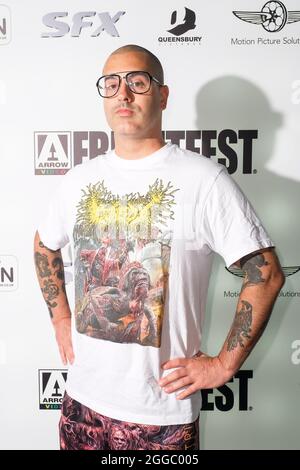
x=143, y=221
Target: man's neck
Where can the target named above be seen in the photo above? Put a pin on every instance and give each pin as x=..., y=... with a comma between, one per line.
x=133, y=149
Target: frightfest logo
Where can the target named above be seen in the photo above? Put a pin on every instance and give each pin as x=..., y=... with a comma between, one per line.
x=57, y=152
x=234, y=394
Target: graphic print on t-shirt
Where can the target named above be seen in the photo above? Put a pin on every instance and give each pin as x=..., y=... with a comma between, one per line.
x=122, y=251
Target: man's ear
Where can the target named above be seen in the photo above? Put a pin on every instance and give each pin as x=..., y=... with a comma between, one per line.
x=164, y=93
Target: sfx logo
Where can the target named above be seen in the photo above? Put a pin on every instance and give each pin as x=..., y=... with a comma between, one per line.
x=272, y=17
x=225, y=399
x=61, y=28
x=51, y=388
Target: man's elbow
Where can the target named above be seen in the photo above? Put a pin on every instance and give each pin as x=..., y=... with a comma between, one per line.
x=277, y=279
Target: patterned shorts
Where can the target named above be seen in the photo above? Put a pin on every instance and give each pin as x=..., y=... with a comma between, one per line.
x=83, y=429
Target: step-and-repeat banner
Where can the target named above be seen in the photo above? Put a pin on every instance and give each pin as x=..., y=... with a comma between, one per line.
x=234, y=75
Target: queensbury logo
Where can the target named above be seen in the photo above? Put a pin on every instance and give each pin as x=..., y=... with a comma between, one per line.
x=272, y=17
x=187, y=24
x=84, y=19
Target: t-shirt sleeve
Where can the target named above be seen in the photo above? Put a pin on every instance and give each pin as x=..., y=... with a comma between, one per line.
x=52, y=226
x=230, y=225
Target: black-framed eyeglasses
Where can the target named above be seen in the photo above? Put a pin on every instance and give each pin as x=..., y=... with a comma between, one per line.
x=138, y=82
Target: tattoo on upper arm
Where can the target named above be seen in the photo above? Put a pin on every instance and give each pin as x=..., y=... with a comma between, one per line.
x=41, y=244
x=252, y=266
x=241, y=326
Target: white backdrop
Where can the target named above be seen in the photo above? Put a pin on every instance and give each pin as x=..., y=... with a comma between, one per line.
x=237, y=79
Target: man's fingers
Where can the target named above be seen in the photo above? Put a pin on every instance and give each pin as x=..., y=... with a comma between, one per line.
x=189, y=391
x=62, y=354
x=70, y=353
x=179, y=362
x=177, y=384
x=66, y=352
x=177, y=374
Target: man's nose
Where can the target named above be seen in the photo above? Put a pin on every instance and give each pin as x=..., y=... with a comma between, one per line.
x=124, y=93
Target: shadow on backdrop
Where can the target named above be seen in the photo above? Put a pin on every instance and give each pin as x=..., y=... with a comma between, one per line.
x=231, y=102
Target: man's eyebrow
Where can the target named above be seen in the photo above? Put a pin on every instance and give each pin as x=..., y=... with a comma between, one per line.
x=123, y=71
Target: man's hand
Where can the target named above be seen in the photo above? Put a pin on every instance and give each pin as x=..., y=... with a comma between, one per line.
x=262, y=283
x=195, y=373
x=64, y=340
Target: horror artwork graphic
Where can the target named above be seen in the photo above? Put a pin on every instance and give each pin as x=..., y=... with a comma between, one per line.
x=122, y=251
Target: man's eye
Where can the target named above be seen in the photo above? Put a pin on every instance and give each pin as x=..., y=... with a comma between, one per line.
x=111, y=86
x=139, y=84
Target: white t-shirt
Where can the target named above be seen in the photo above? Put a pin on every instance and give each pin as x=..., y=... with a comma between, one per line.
x=143, y=233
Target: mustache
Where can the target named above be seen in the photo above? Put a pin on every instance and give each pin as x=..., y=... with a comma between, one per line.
x=124, y=106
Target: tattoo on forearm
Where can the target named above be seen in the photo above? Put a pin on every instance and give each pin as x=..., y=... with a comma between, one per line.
x=252, y=266
x=42, y=264
x=50, y=286
x=50, y=310
x=58, y=265
x=50, y=292
x=241, y=326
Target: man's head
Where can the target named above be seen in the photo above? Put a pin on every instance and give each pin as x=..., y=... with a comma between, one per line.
x=133, y=114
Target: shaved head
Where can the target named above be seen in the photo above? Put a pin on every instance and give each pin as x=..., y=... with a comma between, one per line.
x=153, y=61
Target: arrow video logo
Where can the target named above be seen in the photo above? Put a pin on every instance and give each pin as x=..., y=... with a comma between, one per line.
x=52, y=384
x=52, y=153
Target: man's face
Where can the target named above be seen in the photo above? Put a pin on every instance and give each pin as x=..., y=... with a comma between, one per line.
x=131, y=114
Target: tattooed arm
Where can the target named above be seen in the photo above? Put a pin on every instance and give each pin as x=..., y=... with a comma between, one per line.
x=50, y=273
x=262, y=283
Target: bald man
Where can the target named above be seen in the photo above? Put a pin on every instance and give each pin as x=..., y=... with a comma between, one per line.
x=144, y=222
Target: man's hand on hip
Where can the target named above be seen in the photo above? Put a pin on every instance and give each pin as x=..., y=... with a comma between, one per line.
x=195, y=373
